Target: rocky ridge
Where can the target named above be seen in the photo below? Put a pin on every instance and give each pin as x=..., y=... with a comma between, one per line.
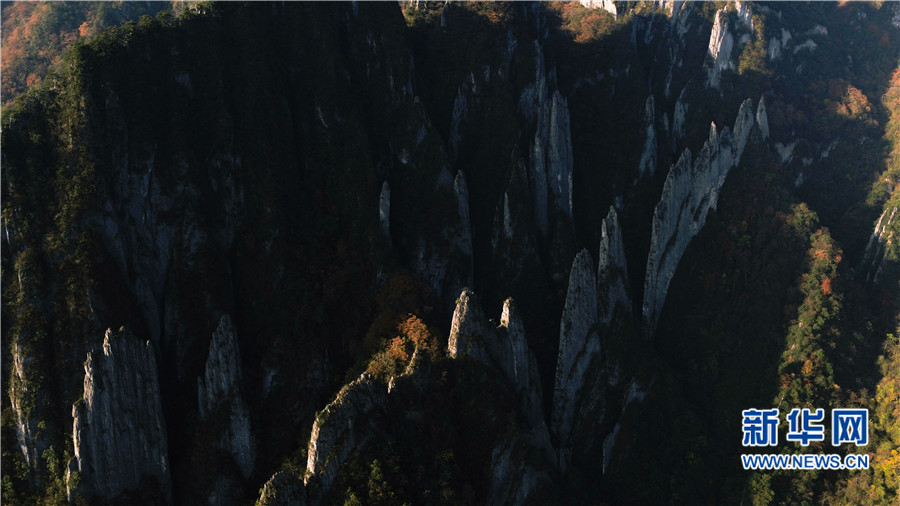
x=691, y=190
x=338, y=429
x=220, y=387
x=612, y=270
x=579, y=345
x=119, y=432
x=726, y=39
x=879, y=242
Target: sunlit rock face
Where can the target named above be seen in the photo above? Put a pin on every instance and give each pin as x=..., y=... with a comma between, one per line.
x=691, y=190
x=119, y=432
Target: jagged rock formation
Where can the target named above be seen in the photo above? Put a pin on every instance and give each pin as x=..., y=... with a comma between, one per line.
x=879, y=242
x=551, y=149
x=513, y=241
x=579, y=345
x=679, y=117
x=447, y=263
x=725, y=40
x=119, y=432
x=462, y=241
x=518, y=368
x=552, y=160
x=691, y=190
x=671, y=7
x=338, y=429
x=762, y=119
x=468, y=329
x=219, y=388
x=648, y=155
x=258, y=197
x=607, y=5
x=612, y=271
x=503, y=347
x=28, y=407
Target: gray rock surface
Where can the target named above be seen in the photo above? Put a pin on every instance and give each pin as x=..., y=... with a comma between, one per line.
x=468, y=329
x=219, y=393
x=612, y=270
x=881, y=239
x=579, y=345
x=607, y=5
x=762, y=119
x=726, y=40
x=551, y=149
x=337, y=431
x=691, y=190
x=648, y=155
x=505, y=348
x=27, y=405
x=119, y=432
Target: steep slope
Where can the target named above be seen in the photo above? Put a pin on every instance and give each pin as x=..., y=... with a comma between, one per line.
x=291, y=208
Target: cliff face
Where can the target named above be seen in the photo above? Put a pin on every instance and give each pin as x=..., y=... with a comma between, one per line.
x=244, y=186
x=337, y=431
x=691, y=190
x=612, y=270
x=730, y=32
x=119, y=432
x=468, y=329
x=503, y=347
x=220, y=388
x=579, y=345
x=648, y=155
x=880, y=242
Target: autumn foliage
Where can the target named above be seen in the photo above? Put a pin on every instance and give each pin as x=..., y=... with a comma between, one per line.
x=35, y=35
x=413, y=336
x=583, y=24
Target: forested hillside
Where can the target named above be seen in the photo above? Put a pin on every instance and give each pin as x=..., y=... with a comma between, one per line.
x=446, y=253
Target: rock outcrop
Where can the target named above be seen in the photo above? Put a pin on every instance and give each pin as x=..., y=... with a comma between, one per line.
x=691, y=190
x=219, y=393
x=282, y=489
x=119, y=432
x=338, y=430
x=648, y=155
x=551, y=149
x=517, y=263
x=721, y=44
x=880, y=241
x=679, y=116
x=28, y=405
x=468, y=329
x=612, y=271
x=504, y=348
x=725, y=40
x=762, y=119
x=579, y=345
x=607, y=5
